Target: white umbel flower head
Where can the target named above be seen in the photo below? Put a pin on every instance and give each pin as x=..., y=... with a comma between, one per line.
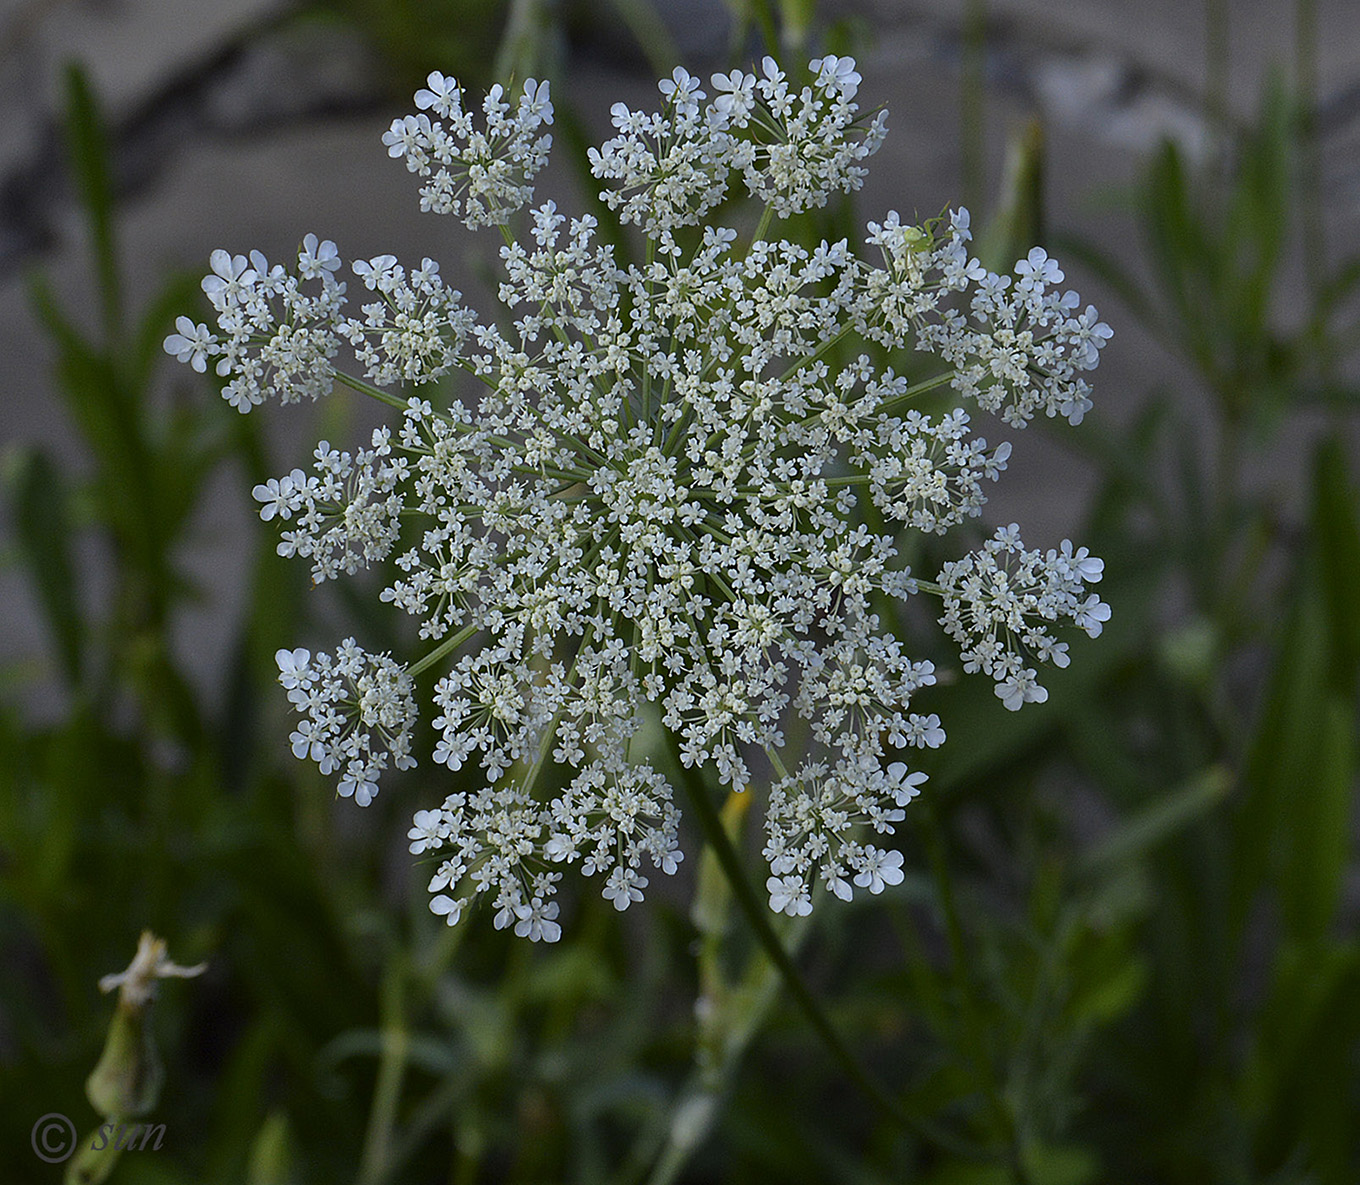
x=652, y=510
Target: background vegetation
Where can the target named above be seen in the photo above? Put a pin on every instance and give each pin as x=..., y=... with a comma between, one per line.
x=1127, y=953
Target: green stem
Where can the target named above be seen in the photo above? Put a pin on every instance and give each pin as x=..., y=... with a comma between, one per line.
x=757, y=915
x=446, y=647
x=358, y=384
x=972, y=102
x=1310, y=149
x=930, y=384
x=396, y=1044
x=1216, y=20
x=730, y=1011
x=765, y=22
x=766, y=217
x=973, y=1031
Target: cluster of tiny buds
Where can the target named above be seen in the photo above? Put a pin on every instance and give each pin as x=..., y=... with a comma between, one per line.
x=656, y=512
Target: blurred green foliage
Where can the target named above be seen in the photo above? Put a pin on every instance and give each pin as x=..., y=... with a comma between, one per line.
x=1126, y=955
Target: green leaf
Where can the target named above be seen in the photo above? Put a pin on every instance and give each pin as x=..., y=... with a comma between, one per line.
x=1255, y=226
x=651, y=33
x=1181, y=255
x=179, y=295
x=1045, y=1164
x=1337, y=539
x=1293, y=825
x=1320, y=836
x=105, y=416
x=1111, y=273
x=271, y=1156
x=42, y=523
x=1018, y=223
x=1155, y=823
x=795, y=18
x=1295, y=1080
x=87, y=147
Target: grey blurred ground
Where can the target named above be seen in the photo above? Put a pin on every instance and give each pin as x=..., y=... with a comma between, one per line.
x=237, y=130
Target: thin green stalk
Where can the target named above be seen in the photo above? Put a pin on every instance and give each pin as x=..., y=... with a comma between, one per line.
x=446, y=647
x=972, y=103
x=763, y=226
x=358, y=384
x=730, y=1010
x=518, y=50
x=765, y=22
x=973, y=1032
x=1310, y=149
x=930, y=384
x=757, y=915
x=376, y=1161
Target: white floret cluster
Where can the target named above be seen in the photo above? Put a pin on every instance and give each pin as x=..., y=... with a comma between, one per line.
x=480, y=175
x=793, y=148
x=1000, y=602
x=652, y=508
x=359, y=709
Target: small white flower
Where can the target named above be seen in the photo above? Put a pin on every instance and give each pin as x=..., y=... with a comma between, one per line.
x=230, y=275
x=624, y=887
x=1037, y=270
x=904, y=785
x=427, y=831
x=535, y=921
x=1020, y=687
x=192, y=343
x=878, y=869
x=281, y=495
x=137, y=985
x=294, y=667
x=536, y=103
x=735, y=95
x=837, y=74
x=443, y=95
x=788, y=894
x=316, y=259
x=447, y=908
x=682, y=90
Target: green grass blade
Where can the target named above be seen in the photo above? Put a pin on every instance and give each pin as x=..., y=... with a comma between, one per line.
x=1152, y=825
x=87, y=148
x=42, y=523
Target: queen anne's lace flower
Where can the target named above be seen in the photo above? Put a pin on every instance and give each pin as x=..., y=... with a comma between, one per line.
x=653, y=508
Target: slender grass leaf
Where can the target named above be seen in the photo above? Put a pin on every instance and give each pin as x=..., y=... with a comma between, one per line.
x=1293, y=824
x=1337, y=538
x=1294, y=1083
x=87, y=147
x=178, y=294
x=1018, y=223
x=1137, y=836
x=271, y=1156
x=653, y=36
x=1181, y=255
x=1318, y=827
x=42, y=523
